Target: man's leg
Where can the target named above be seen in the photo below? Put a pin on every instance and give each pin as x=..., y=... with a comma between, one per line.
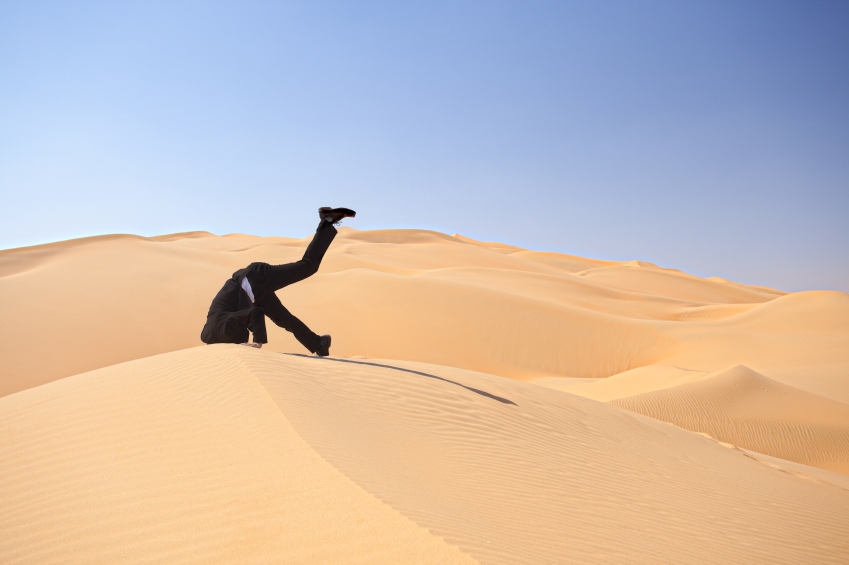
x=266, y=279
x=252, y=319
x=256, y=324
x=278, y=313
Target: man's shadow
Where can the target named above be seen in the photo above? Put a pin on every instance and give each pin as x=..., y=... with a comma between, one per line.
x=475, y=390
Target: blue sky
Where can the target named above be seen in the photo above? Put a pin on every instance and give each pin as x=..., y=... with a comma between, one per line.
x=709, y=136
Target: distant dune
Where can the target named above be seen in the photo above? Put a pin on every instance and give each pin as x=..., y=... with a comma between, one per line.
x=483, y=404
x=742, y=407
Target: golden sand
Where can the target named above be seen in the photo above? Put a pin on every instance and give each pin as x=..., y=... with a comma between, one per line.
x=483, y=404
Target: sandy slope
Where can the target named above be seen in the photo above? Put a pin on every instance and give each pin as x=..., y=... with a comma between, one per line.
x=736, y=405
x=182, y=458
x=226, y=454
x=744, y=408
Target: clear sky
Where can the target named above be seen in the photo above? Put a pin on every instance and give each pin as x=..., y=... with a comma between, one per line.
x=706, y=135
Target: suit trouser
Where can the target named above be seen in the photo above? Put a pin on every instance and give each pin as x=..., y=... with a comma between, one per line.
x=232, y=327
x=265, y=279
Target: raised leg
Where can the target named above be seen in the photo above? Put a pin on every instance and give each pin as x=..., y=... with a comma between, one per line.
x=266, y=279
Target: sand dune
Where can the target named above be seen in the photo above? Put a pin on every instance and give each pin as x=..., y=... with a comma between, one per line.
x=122, y=441
x=627, y=383
x=742, y=407
x=226, y=454
x=397, y=293
x=182, y=458
x=798, y=339
x=647, y=278
x=737, y=405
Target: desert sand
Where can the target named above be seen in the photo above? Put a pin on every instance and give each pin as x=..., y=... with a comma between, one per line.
x=482, y=404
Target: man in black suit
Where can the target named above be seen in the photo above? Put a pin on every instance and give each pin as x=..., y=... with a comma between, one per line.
x=248, y=296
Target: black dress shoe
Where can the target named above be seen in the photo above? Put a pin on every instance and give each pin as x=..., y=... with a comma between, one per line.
x=323, y=346
x=335, y=215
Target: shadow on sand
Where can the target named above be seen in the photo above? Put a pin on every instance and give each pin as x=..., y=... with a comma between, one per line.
x=475, y=390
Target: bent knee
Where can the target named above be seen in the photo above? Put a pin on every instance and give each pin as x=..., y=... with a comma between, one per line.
x=309, y=266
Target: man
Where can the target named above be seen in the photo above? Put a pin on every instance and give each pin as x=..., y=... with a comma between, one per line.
x=248, y=297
